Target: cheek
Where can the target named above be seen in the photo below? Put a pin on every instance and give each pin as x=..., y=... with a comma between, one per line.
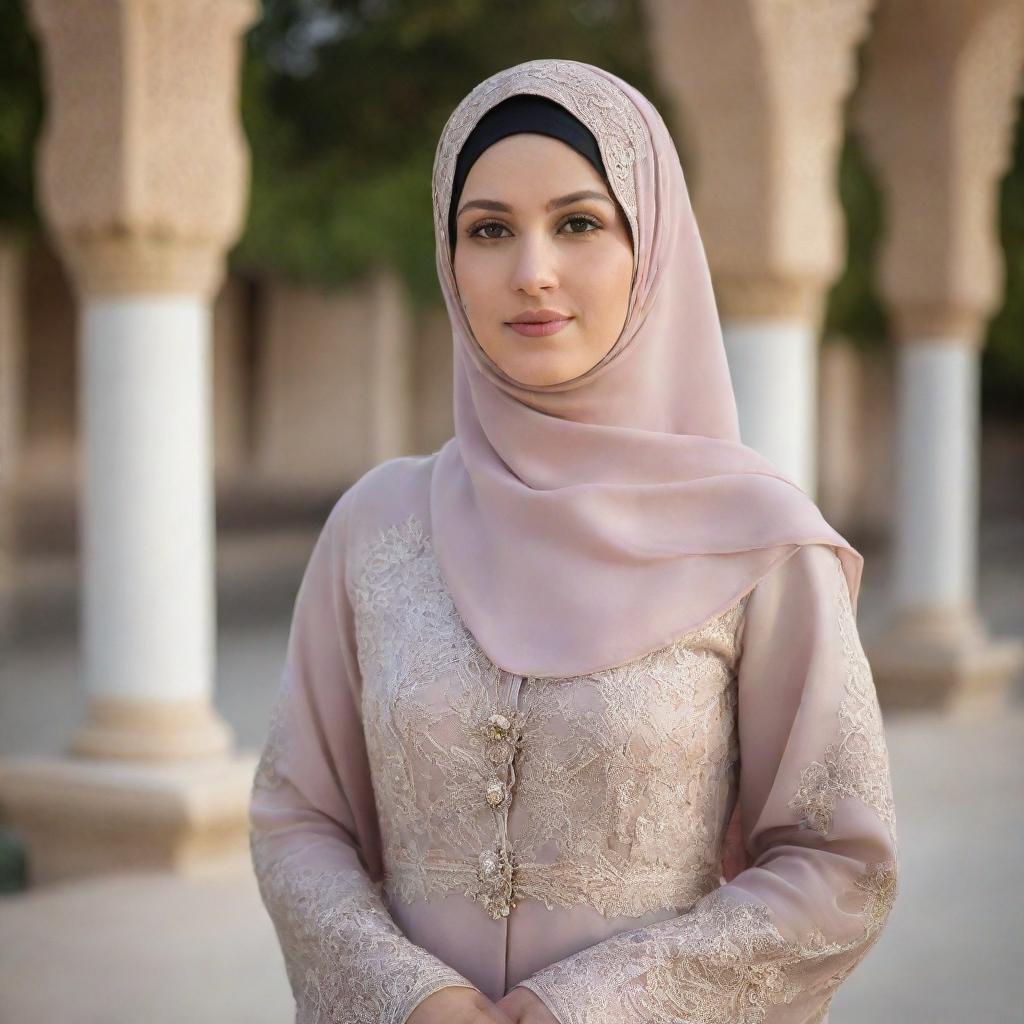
x=605, y=283
x=476, y=284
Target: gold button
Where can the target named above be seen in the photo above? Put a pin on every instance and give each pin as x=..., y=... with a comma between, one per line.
x=496, y=889
x=495, y=792
x=497, y=726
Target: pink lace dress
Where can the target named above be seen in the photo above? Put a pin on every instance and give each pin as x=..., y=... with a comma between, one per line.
x=422, y=818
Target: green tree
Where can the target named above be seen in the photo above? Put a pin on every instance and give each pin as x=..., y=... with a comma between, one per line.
x=344, y=100
x=21, y=108
x=1002, y=365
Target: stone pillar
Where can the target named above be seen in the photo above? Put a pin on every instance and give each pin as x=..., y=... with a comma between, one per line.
x=941, y=87
x=143, y=179
x=759, y=86
x=12, y=325
x=855, y=431
x=841, y=468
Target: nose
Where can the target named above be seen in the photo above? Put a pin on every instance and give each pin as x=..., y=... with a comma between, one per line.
x=535, y=269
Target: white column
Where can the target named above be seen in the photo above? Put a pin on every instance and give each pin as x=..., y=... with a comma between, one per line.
x=940, y=273
x=773, y=366
x=152, y=780
x=936, y=527
x=147, y=529
x=147, y=510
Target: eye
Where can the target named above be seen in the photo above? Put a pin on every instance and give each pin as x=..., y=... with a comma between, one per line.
x=591, y=223
x=477, y=231
x=583, y=224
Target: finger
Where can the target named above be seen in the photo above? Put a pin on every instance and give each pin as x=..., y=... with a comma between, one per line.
x=496, y=1015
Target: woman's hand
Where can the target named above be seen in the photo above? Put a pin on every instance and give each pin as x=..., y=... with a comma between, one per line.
x=523, y=1007
x=458, y=1005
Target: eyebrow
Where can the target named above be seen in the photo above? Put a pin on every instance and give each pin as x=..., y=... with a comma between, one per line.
x=554, y=204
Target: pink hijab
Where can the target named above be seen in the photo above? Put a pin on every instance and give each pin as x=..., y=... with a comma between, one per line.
x=581, y=525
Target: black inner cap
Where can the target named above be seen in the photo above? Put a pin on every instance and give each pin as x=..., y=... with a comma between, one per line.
x=520, y=113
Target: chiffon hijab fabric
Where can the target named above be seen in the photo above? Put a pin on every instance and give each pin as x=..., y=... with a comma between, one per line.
x=533, y=676
x=582, y=524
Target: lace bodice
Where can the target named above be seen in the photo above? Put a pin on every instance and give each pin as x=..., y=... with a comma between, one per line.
x=407, y=777
x=609, y=790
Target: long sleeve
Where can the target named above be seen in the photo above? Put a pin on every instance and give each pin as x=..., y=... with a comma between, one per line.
x=314, y=833
x=772, y=945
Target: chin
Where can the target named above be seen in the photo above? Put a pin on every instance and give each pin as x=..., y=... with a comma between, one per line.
x=540, y=378
x=538, y=369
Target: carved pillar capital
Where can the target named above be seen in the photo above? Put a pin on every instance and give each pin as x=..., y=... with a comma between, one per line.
x=937, y=112
x=760, y=85
x=143, y=167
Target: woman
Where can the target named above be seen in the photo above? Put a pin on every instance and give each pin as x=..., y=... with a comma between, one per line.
x=524, y=671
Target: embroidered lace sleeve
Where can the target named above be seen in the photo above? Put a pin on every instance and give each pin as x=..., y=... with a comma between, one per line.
x=313, y=828
x=772, y=945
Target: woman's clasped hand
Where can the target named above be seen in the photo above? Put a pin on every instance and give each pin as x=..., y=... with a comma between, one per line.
x=456, y=1005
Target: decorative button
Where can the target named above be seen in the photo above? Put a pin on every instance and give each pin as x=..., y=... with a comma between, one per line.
x=497, y=726
x=499, y=752
x=494, y=873
x=501, y=735
x=495, y=792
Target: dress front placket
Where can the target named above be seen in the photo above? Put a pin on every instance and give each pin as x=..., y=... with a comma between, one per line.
x=502, y=735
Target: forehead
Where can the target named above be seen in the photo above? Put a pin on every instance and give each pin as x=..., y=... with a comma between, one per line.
x=528, y=163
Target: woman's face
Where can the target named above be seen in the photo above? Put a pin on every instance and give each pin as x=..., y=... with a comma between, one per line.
x=526, y=244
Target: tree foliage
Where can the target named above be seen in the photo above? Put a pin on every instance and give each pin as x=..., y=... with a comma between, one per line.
x=20, y=118
x=1002, y=363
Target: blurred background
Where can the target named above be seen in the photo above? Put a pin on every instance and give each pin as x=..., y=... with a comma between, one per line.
x=219, y=308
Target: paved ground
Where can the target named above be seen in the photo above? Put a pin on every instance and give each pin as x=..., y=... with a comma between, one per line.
x=154, y=949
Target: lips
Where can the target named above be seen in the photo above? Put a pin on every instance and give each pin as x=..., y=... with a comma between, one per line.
x=538, y=328
x=539, y=316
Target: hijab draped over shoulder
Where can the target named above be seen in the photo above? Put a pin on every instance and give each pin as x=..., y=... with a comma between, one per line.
x=583, y=524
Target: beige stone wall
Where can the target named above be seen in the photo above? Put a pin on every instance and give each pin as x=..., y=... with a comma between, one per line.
x=231, y=375
x=432, y=387
x=310, y=429
x=334, y=384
